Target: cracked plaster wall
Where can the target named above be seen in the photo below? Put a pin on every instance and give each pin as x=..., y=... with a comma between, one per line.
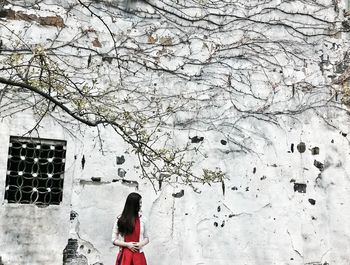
x=30, y=234
x=261, y=219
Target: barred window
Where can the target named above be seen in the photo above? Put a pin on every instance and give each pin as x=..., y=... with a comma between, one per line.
x=35, y=171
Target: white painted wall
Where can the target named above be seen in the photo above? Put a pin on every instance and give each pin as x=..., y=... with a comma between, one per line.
x=263, y=221
x=268, y=223
x=27, y=231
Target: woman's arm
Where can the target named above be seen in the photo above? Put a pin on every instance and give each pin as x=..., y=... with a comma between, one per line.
x=145, y=240
x=143, y=243
x=117, y=239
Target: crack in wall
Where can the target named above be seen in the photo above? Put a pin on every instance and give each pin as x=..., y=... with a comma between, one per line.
x=295, y=250
x=172, y=218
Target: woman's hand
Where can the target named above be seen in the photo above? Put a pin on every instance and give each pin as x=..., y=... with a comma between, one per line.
x=139, y=245
x=133, y=246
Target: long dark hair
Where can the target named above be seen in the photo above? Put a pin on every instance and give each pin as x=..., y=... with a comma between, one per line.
x=129, y=214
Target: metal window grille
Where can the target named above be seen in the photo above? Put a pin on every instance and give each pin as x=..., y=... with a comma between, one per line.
x=35, y=171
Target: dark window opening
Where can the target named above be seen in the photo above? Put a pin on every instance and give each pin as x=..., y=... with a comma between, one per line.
x=35, y=170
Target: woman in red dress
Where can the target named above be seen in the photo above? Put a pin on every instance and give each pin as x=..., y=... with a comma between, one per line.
x=130, y=233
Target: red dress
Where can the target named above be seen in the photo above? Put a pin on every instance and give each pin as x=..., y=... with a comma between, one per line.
x=129, y=257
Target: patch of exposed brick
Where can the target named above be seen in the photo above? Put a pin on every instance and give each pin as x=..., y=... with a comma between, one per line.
x=55, y=21
x=70, y=254
x=96, y=43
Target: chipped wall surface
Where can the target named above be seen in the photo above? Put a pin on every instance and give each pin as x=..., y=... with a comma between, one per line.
x=279, y=208
x=28, y=231
x=286, y=203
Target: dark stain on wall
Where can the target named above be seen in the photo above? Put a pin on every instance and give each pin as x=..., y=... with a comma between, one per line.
x=312, y=201
x=315, y=150
x=300, y=187
x=120, y=160
x=83, y=162
x=196, y=139
x=160, y=183
x=96, y=179
x=107, y=59
x=73, y=215
x=121, y=172
x=223, y=142
x=223, y=187
x=223, y=223
x=319, y=165
x=179, y=194
x=301, y=147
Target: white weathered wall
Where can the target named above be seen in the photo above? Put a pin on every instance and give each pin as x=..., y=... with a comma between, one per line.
x=263, y=221
x=259, y=220
x=31, y=234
